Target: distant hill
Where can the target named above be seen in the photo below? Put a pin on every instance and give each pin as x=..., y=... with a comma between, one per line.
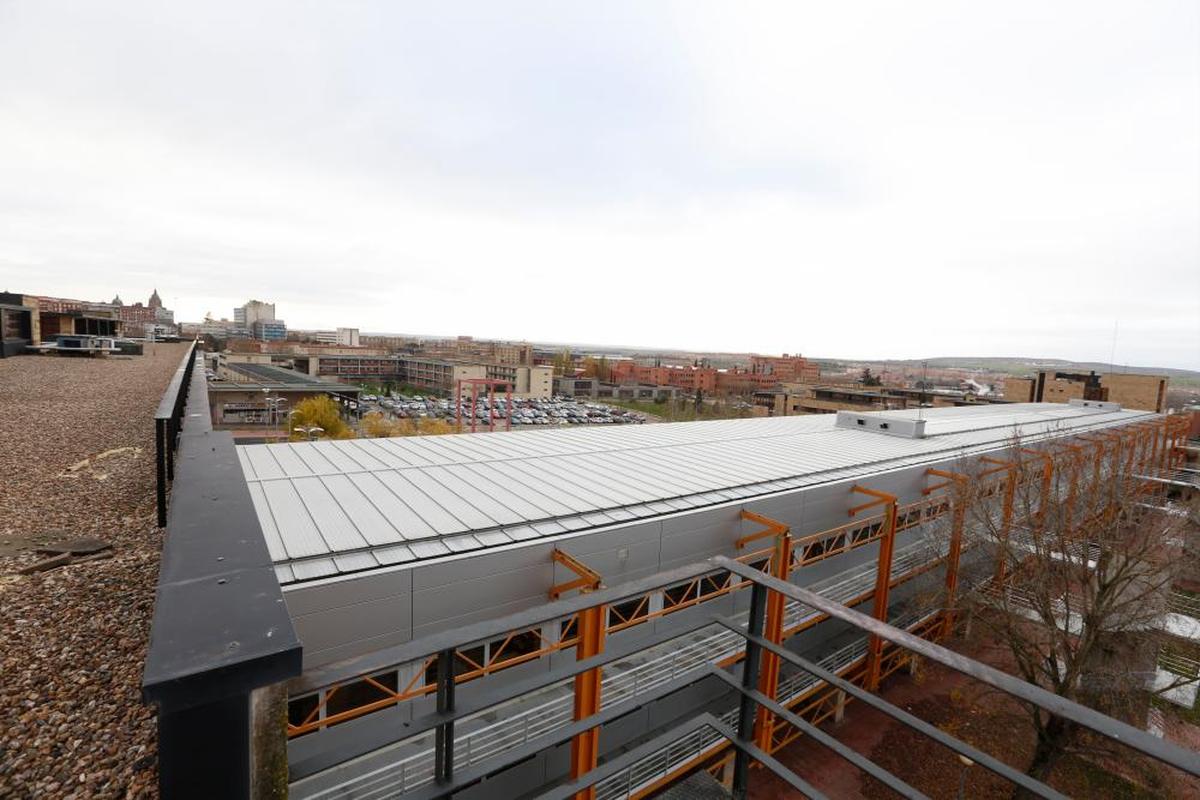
x=1015, y=365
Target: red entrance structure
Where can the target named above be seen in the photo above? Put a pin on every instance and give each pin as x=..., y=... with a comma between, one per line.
x=489, y=387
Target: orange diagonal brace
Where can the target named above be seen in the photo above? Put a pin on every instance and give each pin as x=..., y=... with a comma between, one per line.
x=773, y=527
x=881, y=498
x=585, y=747
x=588, y=578
x=883, y=574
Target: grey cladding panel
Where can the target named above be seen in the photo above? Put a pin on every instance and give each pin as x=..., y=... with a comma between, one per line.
x=350, y=649
x=499, y=562
x=471, y=612
x=452, y=591
x=348, y=591
x=618, y=555
x=694, y=537
x=321, y=630
x=787, y=508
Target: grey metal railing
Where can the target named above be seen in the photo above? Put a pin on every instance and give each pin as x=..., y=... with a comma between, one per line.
x=168, y=421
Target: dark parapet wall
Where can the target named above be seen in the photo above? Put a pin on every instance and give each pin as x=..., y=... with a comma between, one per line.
x=221, y=630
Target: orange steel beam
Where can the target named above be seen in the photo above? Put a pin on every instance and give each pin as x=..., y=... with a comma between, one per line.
x=768, y=679
x=883, y=573
x=588, y=578
x=1076, y=454
x=1010, y=490
x=585, y=746
x=882, y=498
x=773, y=527
x=1047, y=477
x=781, y=567
x=958, y=522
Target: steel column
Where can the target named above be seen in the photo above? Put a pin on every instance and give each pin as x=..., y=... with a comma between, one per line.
x=585, y=746
x=962, y=484
x=1010, y=492
x=883, y=575
x=746, y=708
x=443, y=739
x=768, y=682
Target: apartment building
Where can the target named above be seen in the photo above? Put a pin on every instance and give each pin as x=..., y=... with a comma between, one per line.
x=786, y=368
x=1142, y=392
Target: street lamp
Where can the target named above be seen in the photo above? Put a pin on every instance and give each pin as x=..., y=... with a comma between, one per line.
x=275, y=404
x=271, y=408
x=309, y=430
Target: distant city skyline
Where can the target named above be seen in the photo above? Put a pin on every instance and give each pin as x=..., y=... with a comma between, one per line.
x=868, y=181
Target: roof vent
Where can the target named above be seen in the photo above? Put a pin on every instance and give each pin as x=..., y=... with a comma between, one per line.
x=1099, y=405
x=889, y=426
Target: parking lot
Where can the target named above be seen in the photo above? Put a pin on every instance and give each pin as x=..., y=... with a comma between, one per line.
x=548, y=411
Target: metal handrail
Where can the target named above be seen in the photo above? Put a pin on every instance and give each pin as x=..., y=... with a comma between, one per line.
x=168, y=421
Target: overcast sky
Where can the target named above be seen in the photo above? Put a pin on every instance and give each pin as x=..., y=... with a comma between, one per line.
x=855, y=180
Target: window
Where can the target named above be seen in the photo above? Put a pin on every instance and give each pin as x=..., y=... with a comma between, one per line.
x=359, y=693
x=506, y=649
x=681, y=593
x=629, y=611
x=461, y=665
x=715, y=582
x=300, y=707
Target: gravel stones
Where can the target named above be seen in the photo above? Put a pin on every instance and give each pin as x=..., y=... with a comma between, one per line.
x=76, y=461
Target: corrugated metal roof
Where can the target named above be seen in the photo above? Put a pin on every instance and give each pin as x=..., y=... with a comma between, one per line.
x=339, y=506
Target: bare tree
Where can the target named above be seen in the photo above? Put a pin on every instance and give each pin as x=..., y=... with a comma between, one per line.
x=1072, y=554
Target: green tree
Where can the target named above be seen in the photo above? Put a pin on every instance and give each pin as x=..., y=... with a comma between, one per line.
x=867, y=379
x=321, y=412
x=597, y=368
x=564, y=362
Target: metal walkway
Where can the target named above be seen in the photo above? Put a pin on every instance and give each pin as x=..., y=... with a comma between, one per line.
x=395, y=769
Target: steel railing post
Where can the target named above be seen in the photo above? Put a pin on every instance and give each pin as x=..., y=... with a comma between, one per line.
x=443, y=742
x=160, y=468
x=746, y=710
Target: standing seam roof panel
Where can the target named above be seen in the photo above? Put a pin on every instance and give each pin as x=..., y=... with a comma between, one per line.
x=426, y=507
x=505, y=487
x=400, y=516
x=336, y=527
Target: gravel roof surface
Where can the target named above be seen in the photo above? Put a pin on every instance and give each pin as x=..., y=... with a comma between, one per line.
x=77, y=459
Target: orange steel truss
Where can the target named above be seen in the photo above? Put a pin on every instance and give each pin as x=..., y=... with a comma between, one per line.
x=1154, y=445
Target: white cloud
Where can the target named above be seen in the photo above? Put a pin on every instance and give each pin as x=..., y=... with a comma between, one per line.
x=868, y=181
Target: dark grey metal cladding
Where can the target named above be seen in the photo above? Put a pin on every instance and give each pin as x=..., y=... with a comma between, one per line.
x=220, y=624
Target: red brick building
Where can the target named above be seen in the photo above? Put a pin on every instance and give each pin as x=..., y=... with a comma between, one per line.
x=765, y=372
x=786, y=368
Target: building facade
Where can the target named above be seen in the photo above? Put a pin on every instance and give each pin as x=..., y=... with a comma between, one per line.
x=273, y=330
x=244, y=316
x=786, y=368
x=1143, y=392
